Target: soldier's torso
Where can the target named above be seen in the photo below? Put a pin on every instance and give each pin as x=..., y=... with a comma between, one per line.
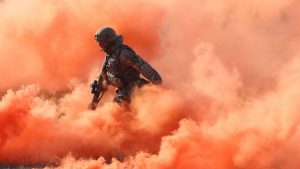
x=119, y=69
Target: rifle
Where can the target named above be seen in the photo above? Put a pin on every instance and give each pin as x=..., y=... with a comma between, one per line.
x=97, y=91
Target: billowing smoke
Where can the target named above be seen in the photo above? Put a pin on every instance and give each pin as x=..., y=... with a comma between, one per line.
x=230, y=97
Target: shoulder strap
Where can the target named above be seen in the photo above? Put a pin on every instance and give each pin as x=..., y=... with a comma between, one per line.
x=104, y=63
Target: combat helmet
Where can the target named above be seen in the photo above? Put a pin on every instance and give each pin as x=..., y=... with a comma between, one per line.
x=106, y=34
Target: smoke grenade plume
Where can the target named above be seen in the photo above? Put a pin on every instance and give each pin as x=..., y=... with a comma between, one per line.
x=230, y=97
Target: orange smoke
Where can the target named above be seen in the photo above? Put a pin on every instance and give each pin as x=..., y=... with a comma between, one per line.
x=230, y=97
x=41, y=39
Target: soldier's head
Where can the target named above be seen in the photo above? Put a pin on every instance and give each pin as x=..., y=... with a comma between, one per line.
x=106, y=37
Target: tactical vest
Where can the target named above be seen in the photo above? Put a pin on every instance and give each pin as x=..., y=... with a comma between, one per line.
x=116, y=69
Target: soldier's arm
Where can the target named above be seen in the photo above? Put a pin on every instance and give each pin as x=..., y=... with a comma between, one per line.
x=130, y=58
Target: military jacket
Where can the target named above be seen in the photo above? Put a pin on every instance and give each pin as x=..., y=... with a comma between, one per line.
x=123, y=65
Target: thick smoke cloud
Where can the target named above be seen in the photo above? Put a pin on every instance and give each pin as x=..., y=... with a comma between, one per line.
x=230, y=97
x=41, y=39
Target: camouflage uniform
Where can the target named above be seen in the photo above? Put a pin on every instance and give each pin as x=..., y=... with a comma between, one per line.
x=122, y=68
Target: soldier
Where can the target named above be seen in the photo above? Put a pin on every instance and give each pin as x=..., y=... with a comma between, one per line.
x=122, y=67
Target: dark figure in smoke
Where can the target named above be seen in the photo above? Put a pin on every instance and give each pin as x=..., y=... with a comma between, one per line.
x=122, y=67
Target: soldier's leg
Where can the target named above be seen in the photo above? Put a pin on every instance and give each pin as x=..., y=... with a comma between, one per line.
x=122, y=97
x=123, y=94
